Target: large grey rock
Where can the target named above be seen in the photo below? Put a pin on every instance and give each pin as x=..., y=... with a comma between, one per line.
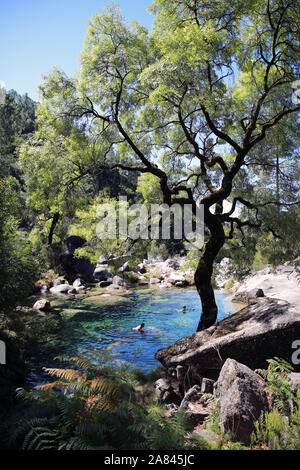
x=61, y=289
x=193, y=405
x=172, y=263
x=181, y=374
x=256, y=293
x=103, y=284
x=58, y=282
x=65, y=262
x=154, y=281
x=167, y=391
x=207, y=385
x=118, y=281
x=262, y=330
x=78, y=283
x=114, y=287
x=191, y=396
x=242, y=399
x=176, y=277
x=101, y=273
x=295, y=379
x=141, y=268
x=125, y=268
x=42, y=305
x=44, y=290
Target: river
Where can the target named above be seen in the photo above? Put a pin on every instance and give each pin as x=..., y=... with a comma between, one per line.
x=100, y=329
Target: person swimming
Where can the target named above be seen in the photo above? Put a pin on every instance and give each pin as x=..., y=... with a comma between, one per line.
x=140, y=327
x=183, y=310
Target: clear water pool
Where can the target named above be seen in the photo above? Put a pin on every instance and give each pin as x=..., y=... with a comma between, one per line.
x=99, y=330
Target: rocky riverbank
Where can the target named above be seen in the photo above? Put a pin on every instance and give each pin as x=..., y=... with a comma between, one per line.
x=233, y=402
x=215, y=364
x=116, y=276
x=281, y=282
x=219, y=363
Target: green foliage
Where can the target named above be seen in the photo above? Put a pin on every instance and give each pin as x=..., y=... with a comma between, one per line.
x=148, y=187
x=276, y=431
x=213, y=421
x=170, y=434
x=17, y=116
x=158, y=250
x=279, y=386
x=19, y=264
x=192, y=109
x=95, y=408
x=87, y=224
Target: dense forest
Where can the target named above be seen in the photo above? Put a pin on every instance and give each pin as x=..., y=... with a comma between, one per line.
x=197, y=111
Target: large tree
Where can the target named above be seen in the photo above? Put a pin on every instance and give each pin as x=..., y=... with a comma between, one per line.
x=189, y=104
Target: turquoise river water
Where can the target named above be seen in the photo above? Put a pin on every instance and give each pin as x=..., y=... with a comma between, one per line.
x=100, y=329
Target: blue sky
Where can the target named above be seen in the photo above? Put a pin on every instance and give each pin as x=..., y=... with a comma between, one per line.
x=36, y=35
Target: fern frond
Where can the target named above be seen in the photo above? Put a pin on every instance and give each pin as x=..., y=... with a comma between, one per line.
x=84, y=364
x=66, y=374
x=104, y=386
x=46, y=387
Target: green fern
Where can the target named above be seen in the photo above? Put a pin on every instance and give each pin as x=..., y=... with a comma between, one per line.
x=277, y=432
x=279, y=386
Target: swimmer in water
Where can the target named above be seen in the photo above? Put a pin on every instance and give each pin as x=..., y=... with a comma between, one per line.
x=183, y=310
x=140, y=327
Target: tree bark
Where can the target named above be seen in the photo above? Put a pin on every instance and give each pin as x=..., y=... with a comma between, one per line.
x=204, y=271
x=52, y=228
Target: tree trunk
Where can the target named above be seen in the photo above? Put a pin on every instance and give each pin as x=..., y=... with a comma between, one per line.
x=52, y=228
x=204, y=271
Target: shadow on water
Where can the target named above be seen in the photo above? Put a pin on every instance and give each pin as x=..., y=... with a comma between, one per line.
x=94, y=328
